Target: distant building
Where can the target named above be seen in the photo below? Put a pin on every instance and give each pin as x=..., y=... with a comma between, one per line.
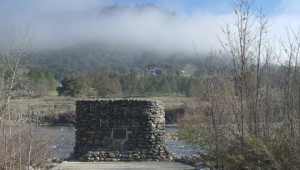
x=154, y=71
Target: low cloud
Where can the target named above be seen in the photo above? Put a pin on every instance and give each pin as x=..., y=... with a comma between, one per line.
x=64, y=23
x=144, y=26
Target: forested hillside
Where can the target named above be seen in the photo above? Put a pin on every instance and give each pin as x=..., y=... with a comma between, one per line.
x=96, y=57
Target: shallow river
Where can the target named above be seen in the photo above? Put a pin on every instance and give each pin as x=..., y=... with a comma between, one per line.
x=64, y=141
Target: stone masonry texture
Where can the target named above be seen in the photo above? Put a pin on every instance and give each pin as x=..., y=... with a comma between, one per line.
x=120, y=130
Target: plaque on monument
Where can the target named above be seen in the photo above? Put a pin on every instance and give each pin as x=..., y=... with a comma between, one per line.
x=119, y=133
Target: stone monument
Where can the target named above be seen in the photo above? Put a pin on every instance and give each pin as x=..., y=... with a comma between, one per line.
x=120, y=130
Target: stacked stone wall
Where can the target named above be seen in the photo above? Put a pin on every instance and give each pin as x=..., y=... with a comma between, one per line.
x=120, y=130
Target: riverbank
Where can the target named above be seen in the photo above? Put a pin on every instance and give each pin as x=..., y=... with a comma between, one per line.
x=61, y=113
x=64, y=140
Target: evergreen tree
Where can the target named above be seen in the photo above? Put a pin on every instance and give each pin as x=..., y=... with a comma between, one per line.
x=189, y=88
x=165, y=87
x=71, y=86
x=40, y=82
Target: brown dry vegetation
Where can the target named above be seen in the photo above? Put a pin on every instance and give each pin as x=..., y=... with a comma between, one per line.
x=248, y=117
x=48, y=110
x=25, y=148
x=21, y=146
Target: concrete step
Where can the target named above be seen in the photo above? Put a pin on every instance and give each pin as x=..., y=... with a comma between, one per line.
x=122, y=166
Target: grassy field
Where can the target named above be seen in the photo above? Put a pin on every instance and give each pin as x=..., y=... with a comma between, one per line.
x=169, y=102
x=173, y=102
x=54, y=109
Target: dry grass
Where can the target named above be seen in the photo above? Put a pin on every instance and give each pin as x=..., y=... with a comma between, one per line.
x=174, y=102
x=23, y=148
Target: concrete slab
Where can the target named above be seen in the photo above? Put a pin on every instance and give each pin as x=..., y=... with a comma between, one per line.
x=122, y=166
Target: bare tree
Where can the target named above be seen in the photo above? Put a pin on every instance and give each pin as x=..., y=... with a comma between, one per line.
x=264, y=102
x=13, y=52
x=291, y=95
x=244, y=44
x=20, y=144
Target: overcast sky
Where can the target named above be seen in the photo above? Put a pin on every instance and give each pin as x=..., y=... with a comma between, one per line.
x=56, y=23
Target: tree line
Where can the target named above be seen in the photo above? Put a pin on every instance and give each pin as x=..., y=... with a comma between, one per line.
x=103, y=84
